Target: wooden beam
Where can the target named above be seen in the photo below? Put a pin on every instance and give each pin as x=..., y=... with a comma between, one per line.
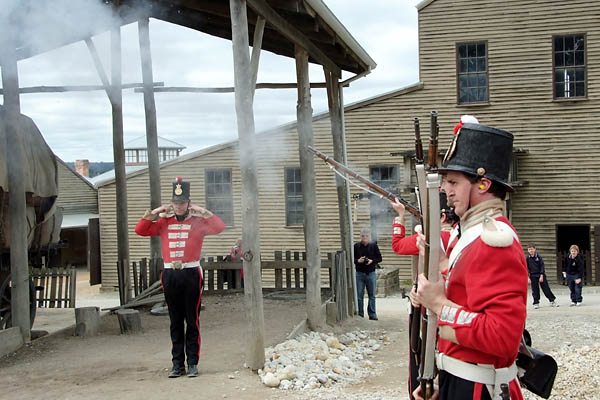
x=151, y=128
x=256, y=47
x=262, y=8
x=16, y=196
x=189, y=89
x=116, y=97
x=98, y=64
x=309, y=194
x=342, y=185
x=244, y=93
x=76, y=88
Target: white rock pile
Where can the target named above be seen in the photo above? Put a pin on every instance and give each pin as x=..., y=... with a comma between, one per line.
x=316, y=360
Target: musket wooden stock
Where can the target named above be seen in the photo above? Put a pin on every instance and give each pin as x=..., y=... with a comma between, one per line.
x=384, y=193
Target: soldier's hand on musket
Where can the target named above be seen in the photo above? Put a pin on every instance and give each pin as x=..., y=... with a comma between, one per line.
x=398, y=207
x=200, y=211
x=412, y=295
x=432, y=295
x=417, y=393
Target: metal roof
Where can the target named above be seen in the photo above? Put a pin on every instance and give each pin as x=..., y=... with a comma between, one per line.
x=140, y=143
x=40, y=25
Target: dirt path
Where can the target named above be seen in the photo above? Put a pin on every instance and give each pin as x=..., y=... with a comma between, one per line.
x=111, y=365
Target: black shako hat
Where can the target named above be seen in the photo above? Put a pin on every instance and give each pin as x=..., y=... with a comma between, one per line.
x=181, y=190
x=481, y=151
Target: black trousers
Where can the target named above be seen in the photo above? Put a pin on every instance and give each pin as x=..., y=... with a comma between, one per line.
x=535, y=288
x=183, y=295
x=455, y=388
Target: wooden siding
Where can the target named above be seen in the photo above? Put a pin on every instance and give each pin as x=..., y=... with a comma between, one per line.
x=561, y=137
x=75, y=195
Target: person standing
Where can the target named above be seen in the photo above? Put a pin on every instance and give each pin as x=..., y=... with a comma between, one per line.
x=537, y=277
x=235, y=255
x=481, y=306
x=182, y=227
x=573, y=270
x=366, y=258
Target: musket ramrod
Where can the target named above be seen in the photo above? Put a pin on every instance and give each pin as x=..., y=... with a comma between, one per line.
x=384, y=193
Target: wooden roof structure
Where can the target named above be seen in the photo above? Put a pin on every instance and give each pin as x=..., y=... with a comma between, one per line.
x=308, y=23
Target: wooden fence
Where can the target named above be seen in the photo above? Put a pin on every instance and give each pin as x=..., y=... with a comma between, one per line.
x=56, y=286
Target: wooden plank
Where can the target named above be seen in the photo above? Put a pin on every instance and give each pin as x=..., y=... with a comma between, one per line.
x=144, y=273
x=136, y=288
x=72, y=288
x=53, y=284
x=278, y=270
x=61, y=295
x=259, y=29
x=93, y=243
x=211, y=279
x=262, y=8
x=78, y=88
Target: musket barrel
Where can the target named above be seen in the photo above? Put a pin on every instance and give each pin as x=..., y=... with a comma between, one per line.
x=384, y=193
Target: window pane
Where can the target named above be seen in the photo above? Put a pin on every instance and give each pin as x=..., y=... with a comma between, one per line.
x=569, y=43
x=559, y=59
x=481, y=64
x=579, y=58
x=559, y=44
x=579, y=42
x=579, y=74
x=570, y=75
x=560, y=89
x=472, y=94
x=569, y=58
x=462, y=50
x=481, y=50
x=482, y=94
x=472, y=65
x=462, y=97
x=559, y=75
x=464, y=65
x=463, y=81
x=482, y=81
x=471, y=50
x=472, y=81
x=579, y=89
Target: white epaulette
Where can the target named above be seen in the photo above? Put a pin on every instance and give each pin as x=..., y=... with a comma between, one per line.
x=497, y=233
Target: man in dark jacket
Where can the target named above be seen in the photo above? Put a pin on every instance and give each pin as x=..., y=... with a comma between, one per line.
x=537, y=277
x=366, y=258
x=573, y=270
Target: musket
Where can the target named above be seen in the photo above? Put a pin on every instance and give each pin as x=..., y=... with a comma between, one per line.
x=384, y=193
x=415, y=322
x=431, y=261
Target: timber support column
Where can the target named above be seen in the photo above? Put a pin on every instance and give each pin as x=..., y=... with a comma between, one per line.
x=19, y=264
x=116, y=99
x=309, y=193
x=151, y=128
x=343, y=190
x=244, y=94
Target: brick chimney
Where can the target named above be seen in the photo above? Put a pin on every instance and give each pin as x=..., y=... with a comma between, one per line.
x=82, y=167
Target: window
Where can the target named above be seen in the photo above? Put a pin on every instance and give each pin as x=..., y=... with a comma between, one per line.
x=130, y=156
x=219, y=197
x=142, y=156
x=472, y=73
x=569, y=66
x=294, y=206
x=382, y=213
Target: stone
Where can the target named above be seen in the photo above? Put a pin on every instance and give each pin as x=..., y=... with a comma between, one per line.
x=270, y=380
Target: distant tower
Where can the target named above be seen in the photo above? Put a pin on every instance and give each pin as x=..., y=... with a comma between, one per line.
x=136, y=151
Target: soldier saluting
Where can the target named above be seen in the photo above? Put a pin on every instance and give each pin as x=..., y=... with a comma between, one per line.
x=182, y=228
x=481, y=306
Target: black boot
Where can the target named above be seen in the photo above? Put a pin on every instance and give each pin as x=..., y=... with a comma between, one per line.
x=176, y=371
x=192, y=371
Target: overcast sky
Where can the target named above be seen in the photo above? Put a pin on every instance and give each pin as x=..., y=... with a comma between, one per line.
x=77, y=125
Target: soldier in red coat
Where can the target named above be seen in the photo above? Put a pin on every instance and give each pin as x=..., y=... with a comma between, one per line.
x=481, y=306
x=182, y=228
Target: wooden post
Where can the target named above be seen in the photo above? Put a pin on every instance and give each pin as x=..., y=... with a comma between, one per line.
x=129, y=320
x=151, y=129
x=309, y=194
x=259, y=29
x=255, y=353
x=339, y=154
x=16, y=197
x=119, y=158
x=87, y=321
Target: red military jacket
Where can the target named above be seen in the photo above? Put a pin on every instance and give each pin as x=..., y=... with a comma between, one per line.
x=407, y=245
x=181, y=241
x=489, y=281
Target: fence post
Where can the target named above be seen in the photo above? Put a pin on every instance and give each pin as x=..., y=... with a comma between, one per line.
x=278, y=271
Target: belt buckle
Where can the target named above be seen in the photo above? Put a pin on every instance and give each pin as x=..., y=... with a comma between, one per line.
x=177, y=265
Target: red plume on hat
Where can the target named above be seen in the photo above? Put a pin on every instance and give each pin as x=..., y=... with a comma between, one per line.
x=178, y=179
x=465, y=119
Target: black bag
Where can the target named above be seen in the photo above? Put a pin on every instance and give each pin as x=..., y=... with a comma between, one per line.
x=540, y=370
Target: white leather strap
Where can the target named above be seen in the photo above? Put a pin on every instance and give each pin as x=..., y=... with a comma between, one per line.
x=189, y=264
